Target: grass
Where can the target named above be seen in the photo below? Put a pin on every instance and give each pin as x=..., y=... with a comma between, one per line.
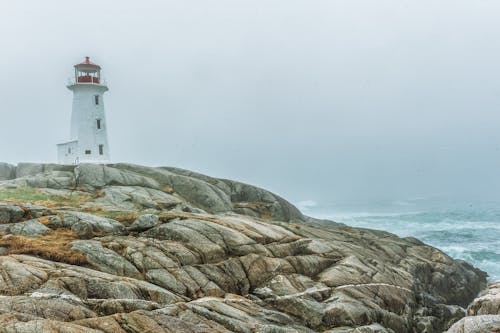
x=55, y=246
x=22, y=193
x=37, y=197
x=167, y=189
x=125, y=217
x=260, y=207
x=166, y=216
x=43, y=220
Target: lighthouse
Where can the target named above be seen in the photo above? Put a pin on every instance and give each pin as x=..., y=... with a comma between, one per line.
x=88, y=136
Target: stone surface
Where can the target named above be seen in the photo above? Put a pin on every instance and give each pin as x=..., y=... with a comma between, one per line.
x=28, y=228
x=487, y=303
x=88, y=225
x=10, y=213
x=99, y=175
x=483, y=313
x=144, y=222
x=7, y=171
x=134, y=198
x=374, y=328
x=477, y=324
x=169, y=250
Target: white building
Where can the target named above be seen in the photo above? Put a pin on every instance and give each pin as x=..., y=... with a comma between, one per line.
x=89, y=138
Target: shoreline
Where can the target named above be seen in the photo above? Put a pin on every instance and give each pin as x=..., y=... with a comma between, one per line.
x=169, y=246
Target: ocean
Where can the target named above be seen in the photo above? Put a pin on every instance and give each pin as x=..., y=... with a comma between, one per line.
x=471, y=233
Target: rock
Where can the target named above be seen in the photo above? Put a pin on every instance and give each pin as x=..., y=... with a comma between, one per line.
x=88, y=225
x=10, y=213
x=28, y=228
x=219, y=195
x=374, y=328
x=200, y=193
x=112, y=306
x=477, y=324
x=7, y=171
x=45, y=326
x=211, y=240
x=50, y=307
x=22, y=274
x=36, y=211
x=18, y=277
x=52, y=179
x=144, y=222
x=487, y=303
x=254, y=200
x=29, y=169
x=277, y=208
x=104, y=259
x=99, y=175
x=213, y=255
x=43, y=175
x=134, y=198
x=33, y=169
x=483, y=313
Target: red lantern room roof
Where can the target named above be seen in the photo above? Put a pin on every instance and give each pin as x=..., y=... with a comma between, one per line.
x=88, y=63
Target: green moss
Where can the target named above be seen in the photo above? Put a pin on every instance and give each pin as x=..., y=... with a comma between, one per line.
x=22, y=193
x=36, y=196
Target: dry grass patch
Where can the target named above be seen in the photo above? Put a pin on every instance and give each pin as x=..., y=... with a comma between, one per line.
x=55, y=246
x=167, y=189
x=166, y=216
x=93, y=209
x=260, y=207
x=43, y=220
x=125, y=217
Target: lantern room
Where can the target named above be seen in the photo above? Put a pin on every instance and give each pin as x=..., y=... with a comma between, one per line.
x=87, y=72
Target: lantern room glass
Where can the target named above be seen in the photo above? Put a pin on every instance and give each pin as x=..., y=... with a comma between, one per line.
x=87, y=75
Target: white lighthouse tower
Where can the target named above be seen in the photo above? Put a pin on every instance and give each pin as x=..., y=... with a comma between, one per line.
x=89, y=138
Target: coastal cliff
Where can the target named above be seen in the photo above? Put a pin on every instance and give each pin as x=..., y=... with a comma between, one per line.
x=128, y=248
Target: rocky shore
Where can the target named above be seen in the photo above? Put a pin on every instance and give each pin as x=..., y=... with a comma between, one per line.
x=127, y=248
x=483, y=314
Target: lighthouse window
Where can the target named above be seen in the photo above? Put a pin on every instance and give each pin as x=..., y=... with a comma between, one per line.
x=88, y=152
x=96, y=99
x=98, y=123
x=101, y=149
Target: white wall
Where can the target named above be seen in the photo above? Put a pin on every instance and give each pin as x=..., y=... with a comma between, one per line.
x=84, y=122
x=68, y=153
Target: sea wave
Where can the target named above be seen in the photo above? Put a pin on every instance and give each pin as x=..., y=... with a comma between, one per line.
x=468, y=234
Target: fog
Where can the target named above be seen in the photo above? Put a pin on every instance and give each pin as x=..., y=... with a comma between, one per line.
x=320, y=101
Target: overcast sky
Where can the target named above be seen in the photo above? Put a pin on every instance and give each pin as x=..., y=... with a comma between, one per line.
x=326, y=101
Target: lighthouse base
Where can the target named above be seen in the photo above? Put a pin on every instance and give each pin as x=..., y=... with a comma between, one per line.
x=72, y=152
x=68, y=152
